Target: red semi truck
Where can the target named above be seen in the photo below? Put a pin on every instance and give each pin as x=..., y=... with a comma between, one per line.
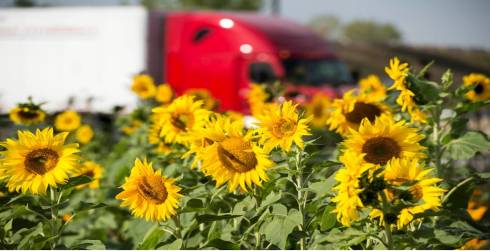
x=224, y=52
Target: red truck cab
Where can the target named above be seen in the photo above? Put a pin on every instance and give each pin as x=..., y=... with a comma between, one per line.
x=224, y=52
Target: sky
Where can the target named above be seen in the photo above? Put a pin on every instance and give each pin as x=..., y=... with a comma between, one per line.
x=453, y=23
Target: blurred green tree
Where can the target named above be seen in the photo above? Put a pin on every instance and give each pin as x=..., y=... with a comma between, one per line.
x=328, y=26
x=368, y=31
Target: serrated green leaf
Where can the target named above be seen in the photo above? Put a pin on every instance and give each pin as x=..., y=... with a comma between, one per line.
x=271, y=198
x=151, y=239
x=446, y=237
x=211, y=217
x=329, y=219
x=222, y=244
x=467, y=146
x=88, y=244
x=76, y=181
x=175, y=245
x=195, y=204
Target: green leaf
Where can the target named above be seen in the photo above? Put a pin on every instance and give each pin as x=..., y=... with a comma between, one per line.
x=195, y=204
x=324, y=187
x=467, y=146
x=484, y=175
x=328, y=219
x=425, y=91
x=447, y=79
x=271, y=198
x=211, y=217
x=88, y=244
x=76, y=181
x=446, y=237
x=87, y=206
x=151, y=239
x=222, y=244
x=175, y=245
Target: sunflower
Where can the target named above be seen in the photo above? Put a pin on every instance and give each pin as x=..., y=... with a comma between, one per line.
x=282, y=126
x=229, y=156
x=143, y=86
x=134, y=125
x=318, y=109
x=92, y=170
x=179, y=118
x=481, y=89
x=259, y=99
x=27, y=114
x=149, y=194
x=235, y=116
x=349, y=192
x=37, y=160
x=398, y=73
x=84, y=134
x=383, y=140
x=372, y=86
x=422, y=194
x=164, y=93
x=67, y=121
x=205, y=96
x=350, y=110
x=154, y=136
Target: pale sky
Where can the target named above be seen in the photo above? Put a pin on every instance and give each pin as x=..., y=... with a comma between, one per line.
x=456, y=23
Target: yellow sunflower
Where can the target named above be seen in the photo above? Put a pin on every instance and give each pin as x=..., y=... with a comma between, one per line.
x=348, y=192
x=422, y=194
x=27, y=114
x=481, y=90
x=179, y=118
x=143, y=86
x=235, y=116
x=259, y=99
x=149, y=194
x=67, y=121
x=229, y=156
x=350, y=110
x=398, y=73
x=84, y=134
x=164, y=93
x=372, y=86
x=282, y=126
x=205, y=96
x=384, y=140
x=318, y=108
x=37, y=160
x=134, y=125
x=92, y=170
x=154, y=136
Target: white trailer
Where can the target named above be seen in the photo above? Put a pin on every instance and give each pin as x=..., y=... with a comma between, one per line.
x=55, y=53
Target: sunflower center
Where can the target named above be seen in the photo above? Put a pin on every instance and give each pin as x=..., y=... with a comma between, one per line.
x=89, y=173
x=318, y=111
x=28, y=114
x=40, y=161
x=380, y=149
x=363, y=110
x=479, y=89
x=417, y=192
x=236, y=155
x=283, y=127
x=153, y=189
x=182, y=121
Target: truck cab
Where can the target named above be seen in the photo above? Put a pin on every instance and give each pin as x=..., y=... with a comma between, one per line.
x=224, y=52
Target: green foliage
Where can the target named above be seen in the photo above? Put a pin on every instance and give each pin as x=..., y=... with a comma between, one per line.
x=371, y=32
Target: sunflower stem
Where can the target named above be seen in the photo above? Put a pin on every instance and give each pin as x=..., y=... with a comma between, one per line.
x=54, y=215
x=178, y=230
x=389, y=238
x=299, y=189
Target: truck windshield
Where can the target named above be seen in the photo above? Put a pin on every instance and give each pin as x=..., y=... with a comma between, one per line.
x=316, y=72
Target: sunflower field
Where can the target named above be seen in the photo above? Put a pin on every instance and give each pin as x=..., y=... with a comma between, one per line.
x=386, y=166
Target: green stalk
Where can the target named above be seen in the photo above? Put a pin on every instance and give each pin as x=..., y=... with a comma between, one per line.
x=301, y=197
x=389, y=237
x=54, y=216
